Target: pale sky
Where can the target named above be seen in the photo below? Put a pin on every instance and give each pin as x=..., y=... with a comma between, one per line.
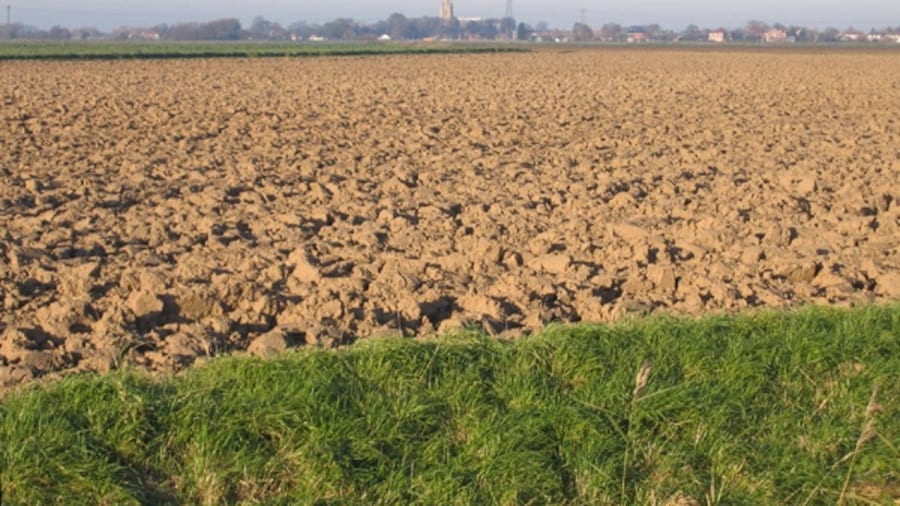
x=108, y=14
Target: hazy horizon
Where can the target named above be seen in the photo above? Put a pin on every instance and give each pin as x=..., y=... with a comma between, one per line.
x=109, y=14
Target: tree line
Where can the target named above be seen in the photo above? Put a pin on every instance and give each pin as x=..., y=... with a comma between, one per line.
x=400, y=27
x=396, y=26
x=221, y=29
x=753, y=31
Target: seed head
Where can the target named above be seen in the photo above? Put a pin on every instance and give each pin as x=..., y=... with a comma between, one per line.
x=640, y=381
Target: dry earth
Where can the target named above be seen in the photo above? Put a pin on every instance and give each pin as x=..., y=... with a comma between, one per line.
x=154, y=213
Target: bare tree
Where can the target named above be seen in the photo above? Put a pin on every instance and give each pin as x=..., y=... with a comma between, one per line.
x=582, y=32
x=398, y=26
x=611, y=31
x=259, y=28
x=756, y=30
x=830, y=34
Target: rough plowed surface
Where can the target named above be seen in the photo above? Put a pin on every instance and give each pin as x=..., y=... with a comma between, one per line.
x=156, y=212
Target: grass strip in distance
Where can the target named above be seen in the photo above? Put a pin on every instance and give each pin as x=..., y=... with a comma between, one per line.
x=112, y=50
x=797, y=407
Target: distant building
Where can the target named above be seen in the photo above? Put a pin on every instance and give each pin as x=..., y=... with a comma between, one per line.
x=850, y=36
x=446, y=10
x=775, y=35
x=142, y=34
x=638, y=37
x=717, y=36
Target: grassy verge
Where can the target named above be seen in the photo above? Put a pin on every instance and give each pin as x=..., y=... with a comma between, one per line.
x=177, y=50
x=774, y=408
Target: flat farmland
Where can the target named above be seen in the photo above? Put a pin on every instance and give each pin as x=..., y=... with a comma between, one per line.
x=157, y=212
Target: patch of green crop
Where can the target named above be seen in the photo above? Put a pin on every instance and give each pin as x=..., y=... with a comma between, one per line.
x=178, y=50
x=770, y=408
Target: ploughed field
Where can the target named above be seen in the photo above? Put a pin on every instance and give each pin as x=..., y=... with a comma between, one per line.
x=156, y=212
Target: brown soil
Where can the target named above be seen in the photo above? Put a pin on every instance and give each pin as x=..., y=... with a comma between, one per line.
x=158, y=212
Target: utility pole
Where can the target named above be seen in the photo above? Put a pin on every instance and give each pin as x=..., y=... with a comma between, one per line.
x=9, y=21
x=584, y=16
x=509, y=11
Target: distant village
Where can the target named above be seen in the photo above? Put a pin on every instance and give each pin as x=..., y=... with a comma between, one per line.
x=447, y=26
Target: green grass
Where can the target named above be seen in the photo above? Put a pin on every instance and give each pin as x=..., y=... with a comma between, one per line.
x=767, y=408
x=160, y=50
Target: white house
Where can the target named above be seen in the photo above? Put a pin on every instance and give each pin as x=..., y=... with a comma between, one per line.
x=717, y=36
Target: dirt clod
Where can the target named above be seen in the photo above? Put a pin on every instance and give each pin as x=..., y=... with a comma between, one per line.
x=271, y=343
x=147, y=308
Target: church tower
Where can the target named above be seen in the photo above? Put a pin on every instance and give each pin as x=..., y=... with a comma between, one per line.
x=446, y=10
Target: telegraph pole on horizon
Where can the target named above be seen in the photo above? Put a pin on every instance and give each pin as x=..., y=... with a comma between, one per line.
x=9, y=21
